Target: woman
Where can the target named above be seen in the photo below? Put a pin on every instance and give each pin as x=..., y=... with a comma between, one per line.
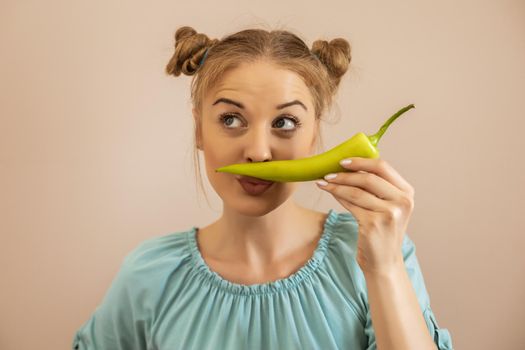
x=269, y=273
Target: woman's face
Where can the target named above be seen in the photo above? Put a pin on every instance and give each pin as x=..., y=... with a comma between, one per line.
x=245, y=119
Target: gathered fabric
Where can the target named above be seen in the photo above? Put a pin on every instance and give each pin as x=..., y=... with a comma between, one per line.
x=165, y=296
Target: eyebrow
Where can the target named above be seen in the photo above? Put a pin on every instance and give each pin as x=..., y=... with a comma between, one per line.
x=241, y=106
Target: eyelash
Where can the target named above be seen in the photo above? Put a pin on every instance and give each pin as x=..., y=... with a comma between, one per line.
x=297, y=122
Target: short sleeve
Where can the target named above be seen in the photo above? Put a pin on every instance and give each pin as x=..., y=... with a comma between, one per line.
x=441, y=336
x=120, y=321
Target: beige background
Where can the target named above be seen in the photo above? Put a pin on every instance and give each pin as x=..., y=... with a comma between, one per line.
x=95, y=146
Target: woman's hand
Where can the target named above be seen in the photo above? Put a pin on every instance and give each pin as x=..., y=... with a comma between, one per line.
x=382, y=202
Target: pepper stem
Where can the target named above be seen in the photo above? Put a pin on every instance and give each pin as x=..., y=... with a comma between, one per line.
x=374, y=139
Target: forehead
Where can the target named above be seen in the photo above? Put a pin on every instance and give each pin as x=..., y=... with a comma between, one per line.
x=262, y=79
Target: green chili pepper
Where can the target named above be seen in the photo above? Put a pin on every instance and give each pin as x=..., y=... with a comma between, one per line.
x=315, y=167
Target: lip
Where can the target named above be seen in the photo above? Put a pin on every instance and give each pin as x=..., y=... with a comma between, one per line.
x=254, y=188
x=253, y=180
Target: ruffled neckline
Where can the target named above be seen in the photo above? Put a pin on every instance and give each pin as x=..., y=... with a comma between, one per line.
x=202, y=270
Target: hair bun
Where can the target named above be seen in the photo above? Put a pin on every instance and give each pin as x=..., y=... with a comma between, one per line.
x=335, y=55
x=184, y=33
x=190, y=47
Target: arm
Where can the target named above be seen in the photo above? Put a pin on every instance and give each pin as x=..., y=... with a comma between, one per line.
x=396, y=315
x=398, y=301
x=382, y=201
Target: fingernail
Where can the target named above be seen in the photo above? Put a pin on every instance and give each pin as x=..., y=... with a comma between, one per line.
x=345, y=161
x=322, y=183
x=330, y=176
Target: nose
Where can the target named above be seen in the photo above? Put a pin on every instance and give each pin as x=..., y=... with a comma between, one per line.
x=257, y=147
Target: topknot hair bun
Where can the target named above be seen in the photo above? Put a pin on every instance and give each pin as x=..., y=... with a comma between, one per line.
x=335, y=55
x=190, y=48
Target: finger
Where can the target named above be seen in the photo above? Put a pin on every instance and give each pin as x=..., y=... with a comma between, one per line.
x=356, y=196
x=358, y=212
x=367, y=181
x=382, y=169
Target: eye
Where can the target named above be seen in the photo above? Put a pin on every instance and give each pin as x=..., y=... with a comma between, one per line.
x=227, y=119
x=295, y=123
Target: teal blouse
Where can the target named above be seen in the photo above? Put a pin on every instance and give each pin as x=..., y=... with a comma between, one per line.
x=166, y=297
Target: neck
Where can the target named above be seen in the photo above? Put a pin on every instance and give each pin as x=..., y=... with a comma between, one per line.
x=264, y=240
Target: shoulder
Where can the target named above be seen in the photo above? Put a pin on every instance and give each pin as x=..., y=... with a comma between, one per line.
x=157, y=251
x=153, y=261
x=129, y=305
x=344, y=231
x=152, y=266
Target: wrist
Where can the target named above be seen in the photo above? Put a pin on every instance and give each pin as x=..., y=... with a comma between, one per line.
x=389, y=271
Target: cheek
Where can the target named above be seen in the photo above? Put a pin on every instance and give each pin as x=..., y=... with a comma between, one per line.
x=212, y=162
x=303, y=144
x=216, y=157
x=302, y=148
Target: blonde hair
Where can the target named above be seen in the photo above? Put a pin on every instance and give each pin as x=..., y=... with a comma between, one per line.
x=321, y=67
